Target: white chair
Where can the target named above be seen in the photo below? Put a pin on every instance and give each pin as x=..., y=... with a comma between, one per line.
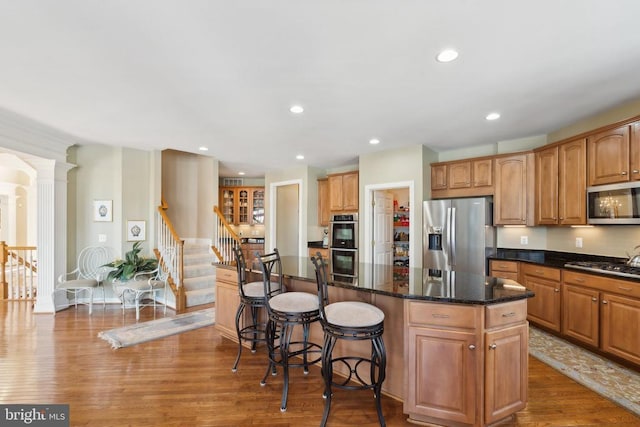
x=142, y=290
x=87, y=276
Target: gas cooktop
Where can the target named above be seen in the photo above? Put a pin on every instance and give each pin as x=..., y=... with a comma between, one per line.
x=617, y=269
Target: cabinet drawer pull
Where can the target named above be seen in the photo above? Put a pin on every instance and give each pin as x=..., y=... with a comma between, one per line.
x=556, y=290
x=605, y=301
x=492, y=347
x=594, y=299
x=440, y=316
x=511, y=314
x=623, y=173
x=636, y=171
x=472, y=347
x=624, y=288
x=579, y=280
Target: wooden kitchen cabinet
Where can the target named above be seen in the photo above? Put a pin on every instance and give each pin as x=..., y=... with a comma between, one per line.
x=561, y=184
x=227, y=301
x=472, y=177
x=465, y=365
x=324, y=252
x=615, y=319
x=343, y=192
x=324, y=214
x=620, y=327
x=608, y=154
x=544, y=308
x=547, y=186
x=249, y=251
x=504, y=269
x=242, y=205
x=572, y=183
x=514, y=187
x=581, y=314
x=438, y=177
x=506, y=370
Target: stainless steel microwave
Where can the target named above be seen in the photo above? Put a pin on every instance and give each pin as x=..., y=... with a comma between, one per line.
x=614, y=204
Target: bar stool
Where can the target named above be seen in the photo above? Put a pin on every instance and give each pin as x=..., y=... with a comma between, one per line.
x=287, y=310
x=252, y=296
x=351, y=321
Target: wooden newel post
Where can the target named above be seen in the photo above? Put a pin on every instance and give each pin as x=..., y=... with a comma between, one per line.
x=4, y=256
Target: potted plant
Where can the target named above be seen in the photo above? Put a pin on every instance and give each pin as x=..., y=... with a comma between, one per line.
x=125, y=269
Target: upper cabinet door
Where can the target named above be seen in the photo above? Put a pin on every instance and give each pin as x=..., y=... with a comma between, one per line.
x=572, y=172
x=439, y=177
x=510, y=199
x=608, y=154
x=257, y=206
x=482, y=172
x=547, y=186
x=459, y=175
x=634, y=160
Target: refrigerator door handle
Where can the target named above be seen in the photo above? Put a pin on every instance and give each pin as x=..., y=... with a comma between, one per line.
x=452, y=241
x=447, y=245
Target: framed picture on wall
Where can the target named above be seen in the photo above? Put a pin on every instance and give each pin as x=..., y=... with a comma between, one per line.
x=136, y=231
x=102, y=210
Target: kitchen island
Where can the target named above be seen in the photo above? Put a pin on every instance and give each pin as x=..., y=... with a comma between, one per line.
x=457, y=345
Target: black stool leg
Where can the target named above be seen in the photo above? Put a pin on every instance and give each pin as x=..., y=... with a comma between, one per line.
x=327, y=374
x=270, y=336
x=285, y=340
x=379, y=360
x=254, y=319
x=238, y=316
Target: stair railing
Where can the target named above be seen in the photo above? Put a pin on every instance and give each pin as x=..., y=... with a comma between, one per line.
x=19, y=273
x=168, y=240
x=224, y=238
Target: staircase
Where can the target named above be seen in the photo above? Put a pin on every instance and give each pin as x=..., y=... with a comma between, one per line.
x=199, y=273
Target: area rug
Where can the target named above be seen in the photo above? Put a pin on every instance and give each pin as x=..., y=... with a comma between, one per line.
x=603, y=376
x=159, y=328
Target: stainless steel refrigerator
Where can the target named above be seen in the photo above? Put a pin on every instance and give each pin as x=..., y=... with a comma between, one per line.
x=458, y=235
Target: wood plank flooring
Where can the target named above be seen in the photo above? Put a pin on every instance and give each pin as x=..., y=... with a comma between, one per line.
x=186, y=380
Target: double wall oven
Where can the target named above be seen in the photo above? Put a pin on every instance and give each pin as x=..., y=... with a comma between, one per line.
x=343, y=247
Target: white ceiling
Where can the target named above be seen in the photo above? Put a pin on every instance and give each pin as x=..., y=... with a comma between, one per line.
x=156, y=74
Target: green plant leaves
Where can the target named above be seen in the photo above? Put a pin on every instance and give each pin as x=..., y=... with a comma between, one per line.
x=133, y=263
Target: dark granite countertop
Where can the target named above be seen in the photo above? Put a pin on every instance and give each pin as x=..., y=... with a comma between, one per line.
x=315, y=244
x=549, y=258
x=452, y=287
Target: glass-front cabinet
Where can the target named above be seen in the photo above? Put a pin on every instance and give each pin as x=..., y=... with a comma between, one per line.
x=242, y=205
x=227, y=204
x=257, y=206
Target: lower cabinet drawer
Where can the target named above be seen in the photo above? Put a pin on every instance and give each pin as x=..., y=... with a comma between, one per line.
x=447, y=315
x=506, y=314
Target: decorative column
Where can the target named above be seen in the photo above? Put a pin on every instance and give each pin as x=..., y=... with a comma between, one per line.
x=52, y=228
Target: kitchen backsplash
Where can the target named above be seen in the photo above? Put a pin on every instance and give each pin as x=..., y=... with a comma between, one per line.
x=613, y=240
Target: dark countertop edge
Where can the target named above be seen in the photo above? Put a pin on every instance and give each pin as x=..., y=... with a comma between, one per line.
x=444, y=300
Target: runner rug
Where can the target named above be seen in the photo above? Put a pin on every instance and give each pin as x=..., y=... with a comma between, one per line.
x=159, y=328
x=603, y=376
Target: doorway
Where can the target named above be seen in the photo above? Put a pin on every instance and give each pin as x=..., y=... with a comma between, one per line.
x=285, y=227
x=389, y=227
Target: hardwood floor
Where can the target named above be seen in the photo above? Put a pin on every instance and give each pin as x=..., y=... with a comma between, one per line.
x=186, y=380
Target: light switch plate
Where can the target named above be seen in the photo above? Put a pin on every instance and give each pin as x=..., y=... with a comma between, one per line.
x=102, y=238
x=524, y=240
x=578, y=242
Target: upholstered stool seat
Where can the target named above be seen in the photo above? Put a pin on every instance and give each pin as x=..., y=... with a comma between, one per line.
x=350, y=321
x=287, y=311
x=353, y=314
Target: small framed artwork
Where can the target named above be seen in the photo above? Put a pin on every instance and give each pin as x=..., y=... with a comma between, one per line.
x=102, y=210
x=136, y=231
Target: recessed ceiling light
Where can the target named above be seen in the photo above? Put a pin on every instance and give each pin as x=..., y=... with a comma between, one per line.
x=447, y=55
x=374, y=141
x=493, y=116
x=300, y=157
x=203, y=148
x=296, y=109
x=240, y=173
